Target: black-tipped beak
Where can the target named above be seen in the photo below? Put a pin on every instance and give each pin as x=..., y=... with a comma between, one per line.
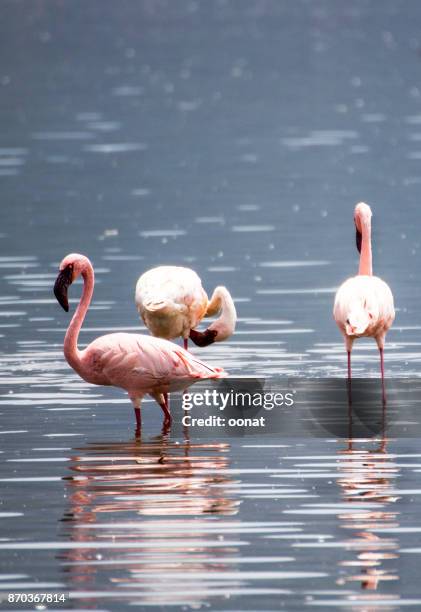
x=203, y=338
x=63, y=282
x=358, y=239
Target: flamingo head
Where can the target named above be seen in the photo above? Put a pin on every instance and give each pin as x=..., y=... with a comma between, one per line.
x=203, y=338
x=359, y=319
x=362, y=217
x=217, y=332
x=224, y=326
x=71, y=267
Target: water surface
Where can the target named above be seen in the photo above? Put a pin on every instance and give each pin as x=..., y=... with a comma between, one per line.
x=235, y=138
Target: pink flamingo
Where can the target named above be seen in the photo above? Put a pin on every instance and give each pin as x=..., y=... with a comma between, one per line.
x=139, y=364
x=171, y=302
x=364, y=303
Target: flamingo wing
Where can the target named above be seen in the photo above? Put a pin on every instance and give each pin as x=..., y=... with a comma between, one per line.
x=143, y=364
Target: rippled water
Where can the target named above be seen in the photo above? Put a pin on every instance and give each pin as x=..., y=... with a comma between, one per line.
x=234, y=138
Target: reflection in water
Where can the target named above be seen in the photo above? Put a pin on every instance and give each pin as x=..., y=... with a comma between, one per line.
x=367, y=476
x=158, y=499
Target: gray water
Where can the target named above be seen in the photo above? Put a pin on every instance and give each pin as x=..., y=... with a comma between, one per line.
x=235, y=138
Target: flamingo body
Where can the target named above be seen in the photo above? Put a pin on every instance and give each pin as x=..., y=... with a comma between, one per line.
x=364, y=300
x=139, y=364
x=364, y=303
x=171, y=302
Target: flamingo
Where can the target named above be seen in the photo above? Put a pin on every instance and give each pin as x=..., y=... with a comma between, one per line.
x=172, y=302
x=139, y=364
x=364, y=303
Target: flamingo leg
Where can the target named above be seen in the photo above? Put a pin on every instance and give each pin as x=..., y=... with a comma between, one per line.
x=166, y=426
x=136, y=407
x=186, y=348
x=166, y=411
x=349, y=364
x=381, y=351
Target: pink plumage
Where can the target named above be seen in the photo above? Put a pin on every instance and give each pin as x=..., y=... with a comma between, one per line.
x=142, y=364
x=364, y=303
x=139, y=364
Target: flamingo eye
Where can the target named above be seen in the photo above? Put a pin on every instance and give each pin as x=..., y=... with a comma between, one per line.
x=347, y=322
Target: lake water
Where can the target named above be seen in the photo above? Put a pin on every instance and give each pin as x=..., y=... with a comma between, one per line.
x=235, y=138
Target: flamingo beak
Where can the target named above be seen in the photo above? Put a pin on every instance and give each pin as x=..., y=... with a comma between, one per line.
x=63, y=282
x=358, y=239
x=203, y=338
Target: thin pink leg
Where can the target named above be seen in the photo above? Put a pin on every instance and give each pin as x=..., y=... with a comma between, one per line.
x=167, y=413
x=348, y=381
x=381, y=363
x=381, y=351
x=186, y=345
x=166, y=426
x=136, y=407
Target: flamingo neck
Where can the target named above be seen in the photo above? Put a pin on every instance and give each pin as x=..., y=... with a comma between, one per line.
x=222, y=302
x=366, y=260
x=71, y=351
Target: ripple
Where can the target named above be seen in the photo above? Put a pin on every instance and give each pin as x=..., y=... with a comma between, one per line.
x=219, y=220
x=76, y=135
x=13, y=151
x=252, y=228
x=162, y=233
x=11, y=161
x=125, y=545
x=127, y=90
x=320, y=138
x=141, y=192
x=116, y=147
x=104, y=126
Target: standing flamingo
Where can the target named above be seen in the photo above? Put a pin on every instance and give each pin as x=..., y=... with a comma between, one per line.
x=139, y=364
x=172, y=302
x=364, y=303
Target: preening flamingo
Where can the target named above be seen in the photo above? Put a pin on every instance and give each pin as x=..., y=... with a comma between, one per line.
x=364, y=303
x=172, y=302
x=139, y=364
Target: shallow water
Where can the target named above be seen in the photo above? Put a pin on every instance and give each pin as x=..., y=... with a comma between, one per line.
x=234, y=138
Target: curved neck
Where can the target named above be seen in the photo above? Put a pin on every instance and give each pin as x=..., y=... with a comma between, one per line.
x=71, y=351
x=222, y=302
x=366, y=262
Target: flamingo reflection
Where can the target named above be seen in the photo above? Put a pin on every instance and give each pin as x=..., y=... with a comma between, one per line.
x=153, y=505
x=367, y=478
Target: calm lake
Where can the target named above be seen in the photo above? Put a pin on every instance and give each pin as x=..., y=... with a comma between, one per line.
x=233, y=137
